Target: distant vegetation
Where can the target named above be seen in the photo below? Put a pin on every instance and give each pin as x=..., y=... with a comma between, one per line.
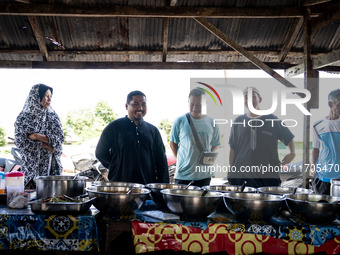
x=88, y=123
x=166, y=125
x=3, y=141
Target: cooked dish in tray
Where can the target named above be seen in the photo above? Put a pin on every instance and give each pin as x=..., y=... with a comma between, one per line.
x=61, y=205
x=60, y=199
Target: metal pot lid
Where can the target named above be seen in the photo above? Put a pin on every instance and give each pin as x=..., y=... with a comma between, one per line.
x=335, y=181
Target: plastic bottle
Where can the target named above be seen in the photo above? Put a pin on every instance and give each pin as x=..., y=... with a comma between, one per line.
x=15, y=190
x=2, y=183
x=15, y=179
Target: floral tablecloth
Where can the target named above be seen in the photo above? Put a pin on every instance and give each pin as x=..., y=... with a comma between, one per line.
x=24, y=230
x=222, y=232
x=232, y=238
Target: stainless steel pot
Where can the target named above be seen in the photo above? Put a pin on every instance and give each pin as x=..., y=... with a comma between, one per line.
x=316, y=209
x=335, y=187
x=50, y=186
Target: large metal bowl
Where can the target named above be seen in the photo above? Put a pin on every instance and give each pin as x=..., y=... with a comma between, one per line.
x=50, y=186
x=123, y=184
x=114, y=200
x=191, y=203
x=253, y=206
x=156, y=188
x=314, y=208
x=230, y=188
x=276, y=190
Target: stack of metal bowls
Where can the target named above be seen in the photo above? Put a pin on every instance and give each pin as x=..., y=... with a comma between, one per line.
x=118, y=200
x=122, y=184
x=277, y=190
x=228, y=189
x=253, y=206
x=311, y=208
x=191, y=203
x=156, y=188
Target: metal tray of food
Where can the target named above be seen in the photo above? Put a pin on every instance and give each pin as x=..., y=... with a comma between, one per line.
x=57, y=206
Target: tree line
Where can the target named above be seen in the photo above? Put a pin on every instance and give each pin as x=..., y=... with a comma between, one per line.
x=87, y=123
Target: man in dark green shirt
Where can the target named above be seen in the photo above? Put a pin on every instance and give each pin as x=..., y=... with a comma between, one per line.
x=253, y=147
x=131, y=148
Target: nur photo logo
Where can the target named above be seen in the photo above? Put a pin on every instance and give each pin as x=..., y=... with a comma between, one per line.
x=209, y=93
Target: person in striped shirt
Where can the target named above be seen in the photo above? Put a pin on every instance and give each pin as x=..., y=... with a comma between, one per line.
x=326, y=146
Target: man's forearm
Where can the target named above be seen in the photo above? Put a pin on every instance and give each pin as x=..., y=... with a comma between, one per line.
x=315, y=155
x=174, y=148
x=103, y=155
x=289, y=157
x=214, y=148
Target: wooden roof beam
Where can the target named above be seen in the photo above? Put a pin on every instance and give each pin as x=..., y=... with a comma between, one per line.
x=148, y=12
x=317, y=63
x=72, y=53
x=218, y=33
x=293, y=33
x=314, y=2
x=136, y=65
x=325, y=19
x=328, y=14
x=23, y=1
x=148, y=65
x=38, y=36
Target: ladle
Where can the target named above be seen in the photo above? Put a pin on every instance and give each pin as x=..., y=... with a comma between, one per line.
x=186, y=187
x=130, y=190
x=68, y=197
x=205, y=191
x=243, y=186
x=294, y=190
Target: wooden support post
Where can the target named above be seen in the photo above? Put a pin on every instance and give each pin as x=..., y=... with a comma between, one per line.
x=165, y=38
x=311, y=82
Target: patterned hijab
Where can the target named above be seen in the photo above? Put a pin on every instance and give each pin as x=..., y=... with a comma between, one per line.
x=35, y=119
x=33, y=101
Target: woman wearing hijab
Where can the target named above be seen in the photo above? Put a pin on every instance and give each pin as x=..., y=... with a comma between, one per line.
x=39, y=135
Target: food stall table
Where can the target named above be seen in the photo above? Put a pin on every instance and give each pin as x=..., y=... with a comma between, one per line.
x=23, y=230
x=223, y=233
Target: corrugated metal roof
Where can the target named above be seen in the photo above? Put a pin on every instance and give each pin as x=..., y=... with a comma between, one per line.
x=104, y=39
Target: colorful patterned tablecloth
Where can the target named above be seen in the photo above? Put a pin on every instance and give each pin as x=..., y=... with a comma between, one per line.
x=217, y=237
x=223, y=232
x=24, y=230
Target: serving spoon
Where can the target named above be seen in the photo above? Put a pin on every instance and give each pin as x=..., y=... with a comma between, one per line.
x=243, y=186
x=186, y=187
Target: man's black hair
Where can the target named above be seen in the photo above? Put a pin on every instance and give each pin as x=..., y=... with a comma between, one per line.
x=196, y=92
x=134, y=93
x=334, y=95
